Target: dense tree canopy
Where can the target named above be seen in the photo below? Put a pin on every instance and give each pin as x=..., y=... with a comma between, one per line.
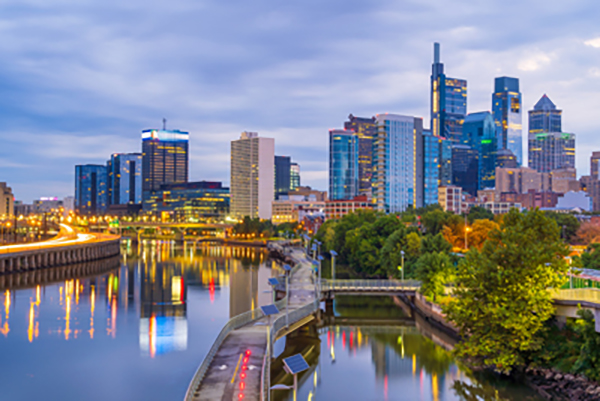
x=568, y=224
x=501, y=297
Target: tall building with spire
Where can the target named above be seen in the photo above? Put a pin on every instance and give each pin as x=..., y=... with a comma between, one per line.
x=448, y=101
x=506, y=108
x=549, y=148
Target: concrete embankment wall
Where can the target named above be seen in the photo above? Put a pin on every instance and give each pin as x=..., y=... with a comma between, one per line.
x=434, y=315
x=45, y=257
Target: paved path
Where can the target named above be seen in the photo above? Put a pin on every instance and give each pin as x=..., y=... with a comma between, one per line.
x=225, y=376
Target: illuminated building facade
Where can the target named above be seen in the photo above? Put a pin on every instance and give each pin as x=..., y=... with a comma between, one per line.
x=398, y=181
x=336, y=209
x=549, y=147
x=437, y=165
x=124, y=178
x=506, y=107
x=480, y=134
x=283, y=174
x=448, y=101
x=294, y=176
x=343, y=164
x=191, y=201
x=7, y=201
x=164, y=158
x=450, y=199
x=91, y=193
x=365, y=129
x=252, y=176
x=465, y=165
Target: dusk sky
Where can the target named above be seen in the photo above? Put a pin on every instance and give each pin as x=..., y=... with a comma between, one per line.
x=81, y=79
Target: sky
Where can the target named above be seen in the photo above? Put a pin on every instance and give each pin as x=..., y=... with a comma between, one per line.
x=80, y=79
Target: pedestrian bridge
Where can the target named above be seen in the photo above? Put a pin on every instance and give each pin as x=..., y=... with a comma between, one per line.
x=369, y=287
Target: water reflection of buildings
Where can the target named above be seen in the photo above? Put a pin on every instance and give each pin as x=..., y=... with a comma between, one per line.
x=163, y=322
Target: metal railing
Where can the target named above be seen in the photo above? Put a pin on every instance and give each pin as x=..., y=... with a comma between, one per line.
x=591, y=295
x=370, y=285
x=233, y=324
x=278, y=325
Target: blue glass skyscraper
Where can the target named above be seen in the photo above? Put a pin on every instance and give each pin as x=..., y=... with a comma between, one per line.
x=91, y=195
x=343, y=164
x=448, y=101
x=124, y=174
x=479, y=133
x=506, y=107
x=437, y=170
x=397, y=177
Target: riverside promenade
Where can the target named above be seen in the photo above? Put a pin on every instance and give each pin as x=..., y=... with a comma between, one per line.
x=238, y=366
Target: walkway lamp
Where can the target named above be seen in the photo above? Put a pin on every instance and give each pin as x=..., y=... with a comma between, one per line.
x=333, y=255
x=314, y=249
x=320, y=258
x=401, y=268
x=294, y=365
x=273, y=282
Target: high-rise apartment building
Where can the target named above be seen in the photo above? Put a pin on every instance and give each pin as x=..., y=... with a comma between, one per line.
x=365, y=129
x=294, y=176
x=7, y=200
x=549, y=147
x=437, y=165
x=398, y=182
x=124, y=175
x=283, y=171
x=252, y=176
x=343, y=164
x=479, y=133
x=91, y=189
x=165, y=158
x=448, y=101
x=506, y=107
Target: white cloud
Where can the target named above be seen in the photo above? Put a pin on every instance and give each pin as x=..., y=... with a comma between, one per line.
x=593, y=42
x=534, y=62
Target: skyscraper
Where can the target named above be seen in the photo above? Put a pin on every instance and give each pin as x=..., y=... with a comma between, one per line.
x=465, y=166
x=283, y=172
x=549, y=147
x=7, y=200
x=506, y=107
x=164, y=158
x=398, y=180
x=294, y=176
x=365, y=129
x=594, y=165
x=252, y=176
x=91, y=195
x=343, y=164
x=448, y=101
x=124, y=175
x=479, y=133
x=436, y=165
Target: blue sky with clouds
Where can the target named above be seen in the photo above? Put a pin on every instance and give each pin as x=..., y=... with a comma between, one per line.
x=81, y=79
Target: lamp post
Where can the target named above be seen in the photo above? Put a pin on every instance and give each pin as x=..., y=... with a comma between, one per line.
x=333, y=255
x=466, y=229
x=319, y=279
x=402, y=267
x=287, y=269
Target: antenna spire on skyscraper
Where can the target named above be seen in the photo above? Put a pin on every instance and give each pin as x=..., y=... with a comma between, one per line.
x=164, y=124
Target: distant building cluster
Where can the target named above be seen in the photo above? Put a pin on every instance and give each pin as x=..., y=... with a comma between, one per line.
x=463, y=159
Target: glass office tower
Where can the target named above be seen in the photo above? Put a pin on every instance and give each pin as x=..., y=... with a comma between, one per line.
x=549, y=147
x=437, y=165
x=343, y=164
x=479, y=133
x=283, y=170
x=448, y=101
x=506, y=107
x=91, y=195
x=164, y=158
x=398, y=181
x=365, y=129
x=465, y=166
x=124, y=174
x=294, y=176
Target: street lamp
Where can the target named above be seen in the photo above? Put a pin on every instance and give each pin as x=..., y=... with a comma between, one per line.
x=401, y=268
x=333, y=255
x=314, y=249
x=320, y=258
x=287, y=269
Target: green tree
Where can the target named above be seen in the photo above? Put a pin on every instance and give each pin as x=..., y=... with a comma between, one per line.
x=590, y=259
x=568, y=224
x=435, y=243
x=434, y=270
x=588, y=362
x=501, y=296
x=390, y=257
x=479, y=213
x=413, y=245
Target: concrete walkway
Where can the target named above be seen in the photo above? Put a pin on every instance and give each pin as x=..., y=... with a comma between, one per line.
x=226, y=378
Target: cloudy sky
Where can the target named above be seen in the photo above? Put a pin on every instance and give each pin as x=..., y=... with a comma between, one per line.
x=80, y=79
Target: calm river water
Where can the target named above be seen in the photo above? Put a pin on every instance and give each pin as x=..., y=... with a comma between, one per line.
x=138, y=328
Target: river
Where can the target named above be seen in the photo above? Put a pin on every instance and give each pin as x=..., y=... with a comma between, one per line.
x=137, y=327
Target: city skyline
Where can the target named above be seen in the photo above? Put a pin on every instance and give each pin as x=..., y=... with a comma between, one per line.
x=78, y=88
